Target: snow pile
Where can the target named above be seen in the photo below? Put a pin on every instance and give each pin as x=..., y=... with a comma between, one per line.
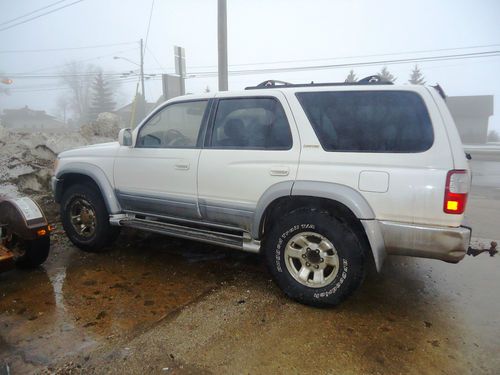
x=27, y=159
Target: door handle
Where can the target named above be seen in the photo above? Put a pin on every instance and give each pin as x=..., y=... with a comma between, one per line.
x=279, y=171
x=182, y=165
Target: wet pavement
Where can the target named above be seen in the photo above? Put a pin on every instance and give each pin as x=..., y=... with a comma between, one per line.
x=181, y=307
x=154, y=304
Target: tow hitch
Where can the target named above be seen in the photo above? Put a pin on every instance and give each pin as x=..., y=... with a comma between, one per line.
x=24, y=234
x=492, y=250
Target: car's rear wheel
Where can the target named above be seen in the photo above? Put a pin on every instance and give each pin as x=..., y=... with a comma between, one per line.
x=85, y=218
x=315, y=258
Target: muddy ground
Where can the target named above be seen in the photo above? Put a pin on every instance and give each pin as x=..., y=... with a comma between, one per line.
x=158, y=305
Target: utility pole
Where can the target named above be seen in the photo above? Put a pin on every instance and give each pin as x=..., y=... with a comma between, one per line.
x=222, y=43
x=142, y=72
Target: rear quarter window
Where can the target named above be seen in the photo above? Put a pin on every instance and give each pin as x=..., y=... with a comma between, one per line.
x=369, y=121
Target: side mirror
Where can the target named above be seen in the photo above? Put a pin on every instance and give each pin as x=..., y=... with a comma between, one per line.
x=125, y=137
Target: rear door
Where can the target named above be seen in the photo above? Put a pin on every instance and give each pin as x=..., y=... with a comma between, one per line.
x=252, y=144
x=158, y=174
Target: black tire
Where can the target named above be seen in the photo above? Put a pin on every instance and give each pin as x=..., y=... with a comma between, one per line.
x=35, y=252
x=347, y=251
x=104, y=233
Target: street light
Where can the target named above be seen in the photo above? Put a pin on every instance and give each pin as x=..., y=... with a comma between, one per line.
x=140, y=65
x=124, y=58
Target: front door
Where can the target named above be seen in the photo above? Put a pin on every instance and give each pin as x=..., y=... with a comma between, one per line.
x=157, y=176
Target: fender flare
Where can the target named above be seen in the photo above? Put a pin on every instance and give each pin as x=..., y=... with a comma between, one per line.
x=346, y=195
x=97, y=175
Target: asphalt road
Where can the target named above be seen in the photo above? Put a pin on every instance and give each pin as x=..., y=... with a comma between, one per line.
x=158, y=305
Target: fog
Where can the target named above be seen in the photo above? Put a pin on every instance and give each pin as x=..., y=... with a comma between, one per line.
x=261, y=35
x=133, y=241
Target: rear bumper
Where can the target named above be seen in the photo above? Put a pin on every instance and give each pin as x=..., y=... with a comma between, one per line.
x=445, y=243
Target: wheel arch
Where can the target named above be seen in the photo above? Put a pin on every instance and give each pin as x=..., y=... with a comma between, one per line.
x=75, y=173
x=339, y=200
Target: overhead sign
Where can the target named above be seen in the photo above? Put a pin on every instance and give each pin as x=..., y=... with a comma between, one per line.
x=180, y=61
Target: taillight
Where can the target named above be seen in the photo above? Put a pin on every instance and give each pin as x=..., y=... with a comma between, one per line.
x=455, y=194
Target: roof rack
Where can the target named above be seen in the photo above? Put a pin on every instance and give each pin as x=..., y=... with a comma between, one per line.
x=271, y=84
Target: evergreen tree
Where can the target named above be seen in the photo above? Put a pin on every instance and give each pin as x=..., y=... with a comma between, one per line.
x=102, y=98
x=351, y=77
x=386, y=75
x=416, y=77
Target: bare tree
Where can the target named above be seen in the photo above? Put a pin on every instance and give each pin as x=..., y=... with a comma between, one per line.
x=416, y=77
x=386, y=75
x=78, y=77
x=62, y=106
x=351, y=77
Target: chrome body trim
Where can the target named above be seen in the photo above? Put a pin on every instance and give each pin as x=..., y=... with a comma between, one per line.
x=240, y=241
x=132, y=214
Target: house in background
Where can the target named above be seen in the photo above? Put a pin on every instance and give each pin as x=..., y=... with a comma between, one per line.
x=125, y=113
x=471, y=115
x=29, y=120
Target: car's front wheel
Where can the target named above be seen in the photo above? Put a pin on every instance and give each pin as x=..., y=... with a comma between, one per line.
x=85, y=218
x=315, y=258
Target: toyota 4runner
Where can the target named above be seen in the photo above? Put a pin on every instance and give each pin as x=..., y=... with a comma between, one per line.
x=319, y=178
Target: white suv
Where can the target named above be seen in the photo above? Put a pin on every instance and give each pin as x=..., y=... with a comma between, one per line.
x=319, y=178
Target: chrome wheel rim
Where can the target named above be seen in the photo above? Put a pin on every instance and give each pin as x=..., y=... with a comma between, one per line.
x=83, y=218
x=311, y=259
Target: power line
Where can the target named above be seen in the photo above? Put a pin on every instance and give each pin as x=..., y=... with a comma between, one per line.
x=65, y=48
x=40, y=15
x=149, y=25
x=32, y=12
x=78, y=61
x=155, y=59
x=485, y=54
x=353, y=57
x=346, y=65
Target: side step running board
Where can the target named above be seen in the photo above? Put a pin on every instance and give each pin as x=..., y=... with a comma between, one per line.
x=235, y=241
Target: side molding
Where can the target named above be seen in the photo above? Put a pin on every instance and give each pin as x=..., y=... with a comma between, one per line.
x=99, y=177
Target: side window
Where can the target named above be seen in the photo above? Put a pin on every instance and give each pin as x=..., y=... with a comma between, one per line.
x=175, y=126
x=252, y=124
x=369, y=121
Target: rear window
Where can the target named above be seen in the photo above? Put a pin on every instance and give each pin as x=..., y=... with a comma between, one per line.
x=369, y=121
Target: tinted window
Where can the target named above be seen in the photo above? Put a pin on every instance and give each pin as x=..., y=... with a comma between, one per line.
x=175, y=126
x=369, y=121
x=251, y=123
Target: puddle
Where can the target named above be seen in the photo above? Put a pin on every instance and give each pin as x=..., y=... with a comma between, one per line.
x=78, y=301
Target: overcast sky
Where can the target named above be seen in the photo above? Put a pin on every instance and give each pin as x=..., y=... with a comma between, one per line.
x=261, y=34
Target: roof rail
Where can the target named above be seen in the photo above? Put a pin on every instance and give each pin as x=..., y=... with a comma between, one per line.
x=440, y=90
x=271, y=84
